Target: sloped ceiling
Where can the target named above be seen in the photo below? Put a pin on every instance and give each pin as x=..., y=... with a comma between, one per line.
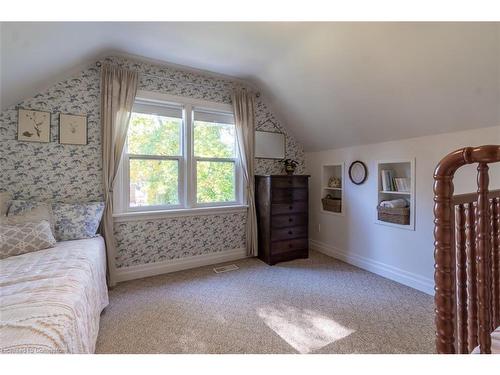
x=335, y=84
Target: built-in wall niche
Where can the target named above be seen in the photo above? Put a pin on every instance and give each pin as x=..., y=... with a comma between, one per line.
x=396, y=181
x=332, y=189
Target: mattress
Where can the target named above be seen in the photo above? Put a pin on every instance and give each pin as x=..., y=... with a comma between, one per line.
x=495, y=343
x=51, y=300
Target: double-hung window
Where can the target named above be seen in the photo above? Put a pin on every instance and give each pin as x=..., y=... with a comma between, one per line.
x=179, y=154
x=215, y=163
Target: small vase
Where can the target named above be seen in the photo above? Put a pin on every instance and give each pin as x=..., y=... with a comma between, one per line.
x=289, y=172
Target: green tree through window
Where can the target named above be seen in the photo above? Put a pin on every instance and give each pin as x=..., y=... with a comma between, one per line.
x=160, y=172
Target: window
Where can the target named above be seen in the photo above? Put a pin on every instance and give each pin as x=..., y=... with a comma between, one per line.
x=215, y=157
x=179, y=154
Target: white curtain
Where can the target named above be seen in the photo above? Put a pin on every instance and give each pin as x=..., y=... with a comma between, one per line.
x=244, y=110
x=118, y=90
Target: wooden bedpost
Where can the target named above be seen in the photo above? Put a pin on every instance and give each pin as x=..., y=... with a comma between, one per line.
x=444, y=275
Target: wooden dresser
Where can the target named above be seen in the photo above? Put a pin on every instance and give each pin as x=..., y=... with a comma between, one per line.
x=282, y=217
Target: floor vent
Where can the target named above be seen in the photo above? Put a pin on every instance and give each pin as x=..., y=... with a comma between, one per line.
x=229, y=267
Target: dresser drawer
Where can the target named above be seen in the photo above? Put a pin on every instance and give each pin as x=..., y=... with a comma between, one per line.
x=289, y=194
x=288, y=233
x=288, y=208
x=285, y=246
x=289, y=182
x=282, y=221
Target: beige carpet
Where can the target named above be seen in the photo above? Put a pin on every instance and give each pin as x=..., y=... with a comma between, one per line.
x=318, y=305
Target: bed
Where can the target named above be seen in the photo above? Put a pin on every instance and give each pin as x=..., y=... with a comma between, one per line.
x=51, y=300
x=495, y=343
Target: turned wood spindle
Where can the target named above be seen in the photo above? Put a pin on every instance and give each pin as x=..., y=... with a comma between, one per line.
x=470, y=250
x=483, y=260
x=461, y=259
x=495, y=260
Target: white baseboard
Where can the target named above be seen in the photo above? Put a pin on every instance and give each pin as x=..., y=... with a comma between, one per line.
x=152, y=269
x=412, y=280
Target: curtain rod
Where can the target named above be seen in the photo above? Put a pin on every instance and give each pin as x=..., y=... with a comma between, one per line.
x=98, y=64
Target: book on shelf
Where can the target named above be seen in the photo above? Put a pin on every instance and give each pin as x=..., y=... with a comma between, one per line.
x=402, y=184
x=387, y=180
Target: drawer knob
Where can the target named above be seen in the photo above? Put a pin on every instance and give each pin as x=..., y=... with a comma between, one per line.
x=291, y=207
x=290, y=232
x=290, y=219
x=290, y=245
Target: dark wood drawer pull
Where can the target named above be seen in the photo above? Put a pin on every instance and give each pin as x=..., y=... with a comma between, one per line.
x=290, y=232
x=290, y=219
x=290, y=207
x=290, y=245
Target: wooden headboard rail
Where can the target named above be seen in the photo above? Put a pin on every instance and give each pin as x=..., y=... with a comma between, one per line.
x=474, y=244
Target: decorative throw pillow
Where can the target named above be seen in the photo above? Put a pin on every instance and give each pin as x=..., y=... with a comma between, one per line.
x=18, y=206
x=77, y=220
x=25, y=238
x=21, y=211
x=37, y=214
x=5, y=199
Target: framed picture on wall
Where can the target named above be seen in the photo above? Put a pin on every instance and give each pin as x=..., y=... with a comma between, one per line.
x=269, y=145
x=72, y=129
x=33, y=126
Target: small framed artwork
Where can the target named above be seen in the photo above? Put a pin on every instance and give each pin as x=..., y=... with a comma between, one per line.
x=72, y=129
x=33, y=126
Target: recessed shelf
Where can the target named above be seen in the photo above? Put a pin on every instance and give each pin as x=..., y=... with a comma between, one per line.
x=332, y=174
x=332, y=213
x=395, y=192
x=401, y=226
x=397, y=174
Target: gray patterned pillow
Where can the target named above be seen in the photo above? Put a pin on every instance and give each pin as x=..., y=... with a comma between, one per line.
x=77, y=220
x=42, y=211
x=25, y=238
x=19, y=207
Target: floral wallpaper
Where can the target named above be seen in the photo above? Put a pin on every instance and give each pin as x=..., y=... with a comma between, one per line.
x=71, y=173
x=51, y=171
x=164, y=239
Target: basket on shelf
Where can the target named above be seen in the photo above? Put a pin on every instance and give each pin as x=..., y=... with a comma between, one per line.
x=332, y=204
x=399, y=215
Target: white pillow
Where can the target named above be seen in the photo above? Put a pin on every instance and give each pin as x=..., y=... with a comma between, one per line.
x=25, y=238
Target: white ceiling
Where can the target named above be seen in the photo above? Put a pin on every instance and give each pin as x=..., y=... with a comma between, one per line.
x=335, y=84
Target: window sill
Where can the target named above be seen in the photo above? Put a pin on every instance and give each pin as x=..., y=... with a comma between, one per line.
x=164, y=214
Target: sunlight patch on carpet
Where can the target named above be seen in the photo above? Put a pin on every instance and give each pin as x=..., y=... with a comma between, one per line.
x=303, y=329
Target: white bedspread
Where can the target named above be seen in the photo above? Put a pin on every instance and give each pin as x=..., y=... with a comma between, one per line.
x=495, y=343
x=51, y=300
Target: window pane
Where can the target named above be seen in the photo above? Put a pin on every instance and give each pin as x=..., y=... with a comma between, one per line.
x=214, y=140
x=215, y=181
x=153, y=182
x=150, y=134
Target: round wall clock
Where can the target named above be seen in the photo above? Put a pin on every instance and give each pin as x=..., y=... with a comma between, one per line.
x=358, y=172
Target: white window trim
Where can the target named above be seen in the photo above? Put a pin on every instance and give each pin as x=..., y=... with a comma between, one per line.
x=187, y=183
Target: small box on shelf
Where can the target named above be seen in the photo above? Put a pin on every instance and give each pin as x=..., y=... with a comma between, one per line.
x=397, y=215
x=332, y=204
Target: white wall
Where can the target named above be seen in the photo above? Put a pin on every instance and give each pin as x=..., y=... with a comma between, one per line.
x=402, y=255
